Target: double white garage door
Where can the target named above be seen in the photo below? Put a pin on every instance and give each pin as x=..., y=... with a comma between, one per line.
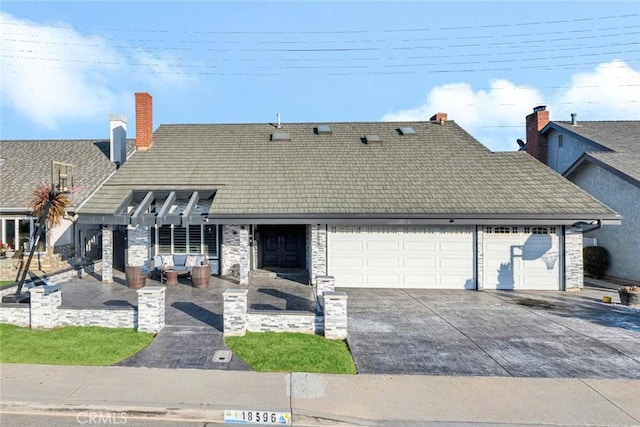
x=435, y=258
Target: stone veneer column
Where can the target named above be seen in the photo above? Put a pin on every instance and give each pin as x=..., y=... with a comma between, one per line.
x=573, y=266
x=325, y=284
x=107, y=254
x=235, y=312
x=44, y=308
x=151, y=308
x=138, y=246
x=318, y=250
x=480, y=257
x=230, y=250
x=243, y=233
x=335, y=315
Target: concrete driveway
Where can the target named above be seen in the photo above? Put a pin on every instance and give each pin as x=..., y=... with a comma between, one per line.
x=493, y=333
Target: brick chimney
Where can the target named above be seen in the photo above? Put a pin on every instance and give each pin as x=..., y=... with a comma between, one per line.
x=535, y=122
x=144, y=121
x=439, y=117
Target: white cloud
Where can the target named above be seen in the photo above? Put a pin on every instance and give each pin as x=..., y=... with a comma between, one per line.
x=610, y=92
x=496, y=116
x=54, y=75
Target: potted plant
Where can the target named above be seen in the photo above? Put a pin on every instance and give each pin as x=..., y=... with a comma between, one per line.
x=629, y=295
x=3, y=250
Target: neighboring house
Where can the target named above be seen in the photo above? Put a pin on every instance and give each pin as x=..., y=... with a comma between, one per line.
x=79, y=166
x=374, y=204
x=603, y=158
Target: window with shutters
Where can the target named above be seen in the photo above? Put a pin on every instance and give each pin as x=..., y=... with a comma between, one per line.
x=196, y=239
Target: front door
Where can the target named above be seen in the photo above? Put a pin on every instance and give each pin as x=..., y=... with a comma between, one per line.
x=283, y=246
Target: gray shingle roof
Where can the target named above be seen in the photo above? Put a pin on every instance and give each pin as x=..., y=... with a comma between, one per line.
x=28, y=163
x=621, y=137
x=439, y=170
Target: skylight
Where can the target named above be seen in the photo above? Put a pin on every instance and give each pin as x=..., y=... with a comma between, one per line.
x=280, y=136
x=407, y=131
x=324, y=130
x=373, y=139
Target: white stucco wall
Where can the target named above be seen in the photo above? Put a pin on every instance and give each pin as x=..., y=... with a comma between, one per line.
x=560, y=158
x=63, y=233
x=623, y=241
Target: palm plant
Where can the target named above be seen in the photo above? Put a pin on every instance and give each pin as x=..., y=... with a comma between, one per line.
x=49, y=205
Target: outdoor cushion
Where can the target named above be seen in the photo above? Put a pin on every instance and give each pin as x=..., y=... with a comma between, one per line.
x=179, y=259
x=200, y=259
x=191, y=261
x=167, y=261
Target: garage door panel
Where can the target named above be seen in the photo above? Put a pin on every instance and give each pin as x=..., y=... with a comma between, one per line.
x=401, y=256
x=419, y=262
x=451, y=264
x=454, y=246
x=348, y=263
x=382, y=246
x=424, y=247
x=378, y=262
x=346, y=245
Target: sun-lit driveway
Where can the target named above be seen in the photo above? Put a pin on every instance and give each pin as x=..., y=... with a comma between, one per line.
x=493, y=333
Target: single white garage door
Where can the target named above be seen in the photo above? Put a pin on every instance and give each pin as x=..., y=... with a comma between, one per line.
x=401, y=256
x=521, y=258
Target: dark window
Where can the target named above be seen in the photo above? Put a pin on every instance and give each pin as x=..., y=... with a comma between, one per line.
x=211, y=240
x=179, y=240
x=560, y=140
x=164, y=239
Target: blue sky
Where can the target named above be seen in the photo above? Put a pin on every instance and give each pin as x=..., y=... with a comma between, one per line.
x=67, y=65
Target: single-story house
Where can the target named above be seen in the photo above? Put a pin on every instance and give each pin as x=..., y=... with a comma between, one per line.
x=374, y=204
x=602, y=158
x=78, y=166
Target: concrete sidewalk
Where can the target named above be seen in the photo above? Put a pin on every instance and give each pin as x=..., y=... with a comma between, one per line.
x=315, y=399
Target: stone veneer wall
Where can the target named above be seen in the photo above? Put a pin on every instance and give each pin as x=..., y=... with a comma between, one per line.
x=230, y=251
x=112, y=317
x=573, y=265
x=44, y=311
x=237, y=321
x=107, y=254
x=139, y=241
x=243, y=234
x=335, y=315
x=15, y=314
x=288, y=321
x=479, y=257
x=318, y=248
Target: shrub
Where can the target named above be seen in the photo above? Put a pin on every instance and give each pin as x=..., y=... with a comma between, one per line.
x=596, y=260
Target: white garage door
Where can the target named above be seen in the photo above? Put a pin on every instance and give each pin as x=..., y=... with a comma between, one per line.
x=521, y=258
x=401, y=257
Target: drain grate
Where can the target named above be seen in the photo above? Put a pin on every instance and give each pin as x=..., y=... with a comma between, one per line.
x=222, y=356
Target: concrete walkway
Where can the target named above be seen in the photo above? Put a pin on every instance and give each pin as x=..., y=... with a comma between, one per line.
x=319, y=399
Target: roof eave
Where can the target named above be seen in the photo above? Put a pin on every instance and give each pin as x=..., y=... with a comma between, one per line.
x=587, y=158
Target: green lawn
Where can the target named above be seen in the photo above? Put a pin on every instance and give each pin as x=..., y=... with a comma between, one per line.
x=287, y=352
x=72, y=345
x=6, y=282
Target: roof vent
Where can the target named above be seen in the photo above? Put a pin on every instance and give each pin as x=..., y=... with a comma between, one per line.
x=574, y=121
x=372, y=140
x=280, y=136
x=407, y=131
x=324, y=130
